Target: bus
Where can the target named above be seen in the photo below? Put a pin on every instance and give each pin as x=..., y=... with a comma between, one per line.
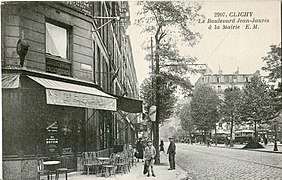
x=244, y=136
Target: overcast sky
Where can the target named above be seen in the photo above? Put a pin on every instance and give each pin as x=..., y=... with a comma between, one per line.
x=224, y=48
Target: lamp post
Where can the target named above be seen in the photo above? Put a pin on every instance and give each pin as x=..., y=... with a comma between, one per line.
x=275, y=136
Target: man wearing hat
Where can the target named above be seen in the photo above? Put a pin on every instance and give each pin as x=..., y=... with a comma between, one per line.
x=171, y=153
x=150, y=153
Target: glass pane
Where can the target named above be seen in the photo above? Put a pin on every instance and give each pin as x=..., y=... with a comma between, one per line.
x=56, y=40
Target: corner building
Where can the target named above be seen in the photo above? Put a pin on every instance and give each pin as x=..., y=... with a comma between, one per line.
x=77, y=90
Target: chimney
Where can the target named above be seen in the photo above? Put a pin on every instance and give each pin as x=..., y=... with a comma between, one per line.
x=237, y=72
x=219, y=71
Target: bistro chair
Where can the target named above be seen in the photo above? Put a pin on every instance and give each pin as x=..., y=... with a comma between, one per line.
x=91, y=161
x=96, y=163
x=127, y=162
x=121, y=164
x=41, y=170
x=63, y=167
x=110, y=168
x=87, y=161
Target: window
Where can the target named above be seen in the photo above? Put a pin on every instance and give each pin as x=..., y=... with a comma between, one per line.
x=56, y=41
x=219, y=88
x=57, y=48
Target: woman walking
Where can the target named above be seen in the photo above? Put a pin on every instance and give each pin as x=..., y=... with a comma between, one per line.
x=162, y=146
x=139, y=150
x=150, y=153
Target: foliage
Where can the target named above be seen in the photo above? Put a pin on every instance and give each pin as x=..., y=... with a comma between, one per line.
x=231, y=104
x=167, y=97
x=274, y=67
x=273, y=62
x=187, y=123
x=170, y=18
x=256, y=104
x=204, y=107
x=168, y=21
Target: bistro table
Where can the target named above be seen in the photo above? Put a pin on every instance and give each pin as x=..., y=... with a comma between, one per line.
x=51, y=166
x=104, y=159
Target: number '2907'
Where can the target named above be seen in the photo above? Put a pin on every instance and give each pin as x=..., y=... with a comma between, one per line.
x=219, y=14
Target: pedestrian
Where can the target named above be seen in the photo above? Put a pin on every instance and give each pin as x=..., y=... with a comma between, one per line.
x=265, y=140
x=171, y=151
x=226, y=141
x=208, y=142
x=139, y=150
x=150, y=153
x=162, y=146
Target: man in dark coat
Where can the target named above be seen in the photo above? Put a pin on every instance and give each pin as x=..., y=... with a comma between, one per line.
x=171, y=151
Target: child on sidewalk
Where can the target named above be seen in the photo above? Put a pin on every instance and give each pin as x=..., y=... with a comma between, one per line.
x=150, y=153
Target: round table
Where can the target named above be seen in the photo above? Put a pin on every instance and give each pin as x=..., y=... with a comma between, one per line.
x=103, y=159
x=51, y=166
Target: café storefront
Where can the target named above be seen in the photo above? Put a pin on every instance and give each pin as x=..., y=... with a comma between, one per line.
x=46, y=116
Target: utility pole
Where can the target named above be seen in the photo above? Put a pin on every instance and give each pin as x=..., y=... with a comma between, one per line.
x=152, y=81
x=157, y=122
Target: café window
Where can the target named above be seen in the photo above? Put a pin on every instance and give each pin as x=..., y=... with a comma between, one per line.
x=56, y=41
x=57, y=49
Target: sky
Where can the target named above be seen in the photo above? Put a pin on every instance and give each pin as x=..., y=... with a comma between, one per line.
x=225, y=49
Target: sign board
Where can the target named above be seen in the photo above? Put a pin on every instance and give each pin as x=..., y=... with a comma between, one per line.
x=152, y=113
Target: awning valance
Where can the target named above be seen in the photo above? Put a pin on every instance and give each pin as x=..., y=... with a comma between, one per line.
x=129, y=105
x=67, y=94
x=10, y=81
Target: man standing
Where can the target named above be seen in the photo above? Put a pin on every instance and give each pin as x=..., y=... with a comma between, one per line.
x=171, y=154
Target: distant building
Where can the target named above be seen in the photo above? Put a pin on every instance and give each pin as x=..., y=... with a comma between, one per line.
x=219, y=82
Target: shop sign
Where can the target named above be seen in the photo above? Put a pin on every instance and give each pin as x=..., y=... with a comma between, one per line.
x=67, y=98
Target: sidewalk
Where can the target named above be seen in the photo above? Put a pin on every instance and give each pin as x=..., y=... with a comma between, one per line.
x=268, y=148
x=136, y=173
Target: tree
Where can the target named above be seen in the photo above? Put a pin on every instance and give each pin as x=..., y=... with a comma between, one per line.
x=256, y=103
x=167, y=96
x=187, y=123
x=162, y=20
x=230, y=107
x=274, y=67
x=273, y=63
x=204, y=108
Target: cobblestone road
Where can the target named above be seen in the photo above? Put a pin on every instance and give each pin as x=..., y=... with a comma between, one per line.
x=203, y=162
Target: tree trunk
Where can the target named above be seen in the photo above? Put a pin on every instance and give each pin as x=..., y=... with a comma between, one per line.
x=215, y=136
x=256, y=138
x=231, y=132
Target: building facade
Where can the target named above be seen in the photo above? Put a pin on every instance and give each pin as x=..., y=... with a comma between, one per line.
x=68, y=82
x=219, y=82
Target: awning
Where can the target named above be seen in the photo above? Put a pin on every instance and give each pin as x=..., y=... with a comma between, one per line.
x=129, y=105
x=67, y=94
x=10, y=81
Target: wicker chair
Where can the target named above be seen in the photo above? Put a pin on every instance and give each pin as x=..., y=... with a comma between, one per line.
x=110, y=168
x=90, y=161
x=63, y=167
x=121, y=165
x=41, y=170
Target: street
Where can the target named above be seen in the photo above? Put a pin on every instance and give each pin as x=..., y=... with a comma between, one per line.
x=202, y=162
